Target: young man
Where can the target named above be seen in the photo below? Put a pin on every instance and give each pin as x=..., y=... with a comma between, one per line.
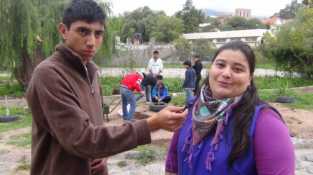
x=190, y=81
x=160, y=91
x=147, y=83
x=155, y=65
x=130, y=84
x=68, y=135
x=197, y=66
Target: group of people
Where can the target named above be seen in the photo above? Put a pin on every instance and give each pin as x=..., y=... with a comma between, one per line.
x=192, y=77
x=226, y=128
x=150, y=85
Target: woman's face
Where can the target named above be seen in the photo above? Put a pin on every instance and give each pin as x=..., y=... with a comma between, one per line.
x=229, y=75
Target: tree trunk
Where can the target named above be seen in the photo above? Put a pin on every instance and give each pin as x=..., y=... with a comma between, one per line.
x=23, y=72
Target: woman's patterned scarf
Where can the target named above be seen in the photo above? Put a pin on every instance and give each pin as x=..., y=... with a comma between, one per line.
x=209, y=115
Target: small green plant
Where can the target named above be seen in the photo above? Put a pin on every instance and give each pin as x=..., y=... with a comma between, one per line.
x=178, y=99
x=122, y=164
x=11, y=89
x=145, y=155
x=282, y=90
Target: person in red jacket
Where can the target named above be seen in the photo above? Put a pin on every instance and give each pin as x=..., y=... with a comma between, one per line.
x=130, y=84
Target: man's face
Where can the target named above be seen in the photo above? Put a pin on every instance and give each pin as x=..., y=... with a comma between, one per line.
x=83, y=38
x=155, y=56
x=159, y=82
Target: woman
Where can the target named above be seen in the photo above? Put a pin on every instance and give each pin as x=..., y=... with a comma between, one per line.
x=229, y=130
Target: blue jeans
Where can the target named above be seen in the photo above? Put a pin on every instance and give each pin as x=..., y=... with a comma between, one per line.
x=128, y=97
x=189, y=95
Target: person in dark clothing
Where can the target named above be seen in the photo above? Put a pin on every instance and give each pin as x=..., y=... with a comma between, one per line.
x=160, y=91
x=190, y=80
x=197, y=66
x=147, y=83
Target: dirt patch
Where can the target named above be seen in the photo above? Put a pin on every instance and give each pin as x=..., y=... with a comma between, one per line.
x=307, y=89
x=299, y=121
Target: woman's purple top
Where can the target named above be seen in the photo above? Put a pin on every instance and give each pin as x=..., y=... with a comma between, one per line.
x=273, y=149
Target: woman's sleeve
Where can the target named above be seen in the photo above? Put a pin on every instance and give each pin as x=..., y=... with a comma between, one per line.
x=274, y=151
x=171, y=164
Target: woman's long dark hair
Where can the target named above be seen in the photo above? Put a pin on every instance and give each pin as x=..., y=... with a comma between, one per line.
x=243, y=114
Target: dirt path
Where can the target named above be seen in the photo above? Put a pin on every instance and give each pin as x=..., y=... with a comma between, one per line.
x=11, y=157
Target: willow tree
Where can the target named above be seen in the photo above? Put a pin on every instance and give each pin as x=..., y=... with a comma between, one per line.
x=29, y=34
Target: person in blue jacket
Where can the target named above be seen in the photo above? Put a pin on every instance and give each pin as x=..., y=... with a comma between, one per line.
x=190, y=81
x=160, y=91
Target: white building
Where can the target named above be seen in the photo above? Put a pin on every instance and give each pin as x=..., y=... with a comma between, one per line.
x=252, y=37
x=245, y=13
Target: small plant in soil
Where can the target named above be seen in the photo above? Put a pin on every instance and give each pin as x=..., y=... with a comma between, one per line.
x=122, y=164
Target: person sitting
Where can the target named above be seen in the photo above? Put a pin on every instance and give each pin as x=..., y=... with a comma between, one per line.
x=160, y=91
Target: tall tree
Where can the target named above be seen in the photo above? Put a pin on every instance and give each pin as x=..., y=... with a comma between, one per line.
x=292, y=46
x=191, y=17
x=290, y=10
x=29, y=34
x=167, y=29
x=140, y=21
x=308, y=3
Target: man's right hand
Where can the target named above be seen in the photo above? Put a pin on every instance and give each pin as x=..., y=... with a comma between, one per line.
x=169, y=118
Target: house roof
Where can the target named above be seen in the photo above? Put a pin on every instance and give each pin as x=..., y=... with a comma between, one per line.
x=226, y=34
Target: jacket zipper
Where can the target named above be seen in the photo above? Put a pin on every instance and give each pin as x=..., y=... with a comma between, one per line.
x=89, y=82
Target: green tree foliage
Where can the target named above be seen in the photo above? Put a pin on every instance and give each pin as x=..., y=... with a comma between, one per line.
x=141, y=20
x=292, y=47
x=26, y=34
x=29, y=34
x=255, y=23
x=240, y=23
x=191, y=17
x=203, y=48
x=167, y=28
x=183, y=48
x=308, y=3
x=213, y=25
x=150, y=24
x=290, y=10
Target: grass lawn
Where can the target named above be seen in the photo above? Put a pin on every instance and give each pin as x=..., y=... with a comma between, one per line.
x=302, y=100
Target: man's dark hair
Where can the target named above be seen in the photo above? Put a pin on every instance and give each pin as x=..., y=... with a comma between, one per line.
x=155, y=52
x=159, y=77
x=196, y=56
x=83, y=10
x=187, y=63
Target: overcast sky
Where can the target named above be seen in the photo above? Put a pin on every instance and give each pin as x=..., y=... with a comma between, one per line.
x=258, y=7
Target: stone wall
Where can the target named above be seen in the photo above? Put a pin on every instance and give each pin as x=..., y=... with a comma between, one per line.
x=139, y=55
